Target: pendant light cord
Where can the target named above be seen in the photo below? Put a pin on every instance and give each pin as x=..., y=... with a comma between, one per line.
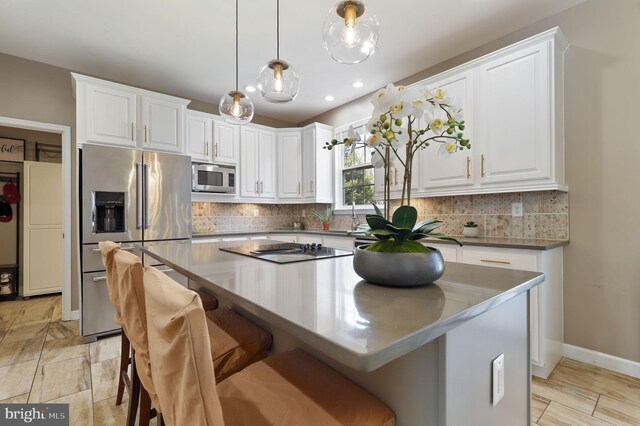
x=278, y=29
x=236, y=45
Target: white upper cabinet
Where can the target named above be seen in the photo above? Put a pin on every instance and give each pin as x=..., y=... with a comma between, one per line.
x=513, y=109
x=257, y=162
x=114, y=114
x=225, y=142
x=162, y=122
x=317, y=164
x=199, y=128
x=289, y=164
x=513, y=130
x=109, y=116
x=438, y=170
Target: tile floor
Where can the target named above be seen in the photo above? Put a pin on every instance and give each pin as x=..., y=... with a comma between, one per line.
x=42, y=359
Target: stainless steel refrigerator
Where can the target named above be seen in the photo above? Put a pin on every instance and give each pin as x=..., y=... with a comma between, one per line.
x=128, y=196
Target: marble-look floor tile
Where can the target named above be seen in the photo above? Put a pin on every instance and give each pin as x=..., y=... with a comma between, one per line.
x=105, y=349
x=107, y=413
x=80, y=407
x=104, y=379
x=559, y=415
x=62, y=349
x=60, y=379
x=538, y=405
x=617, y=412
x=57, y=310
x=20, y=399
x=16, y=379
x=63, y=329
x=23, y=342
x=599, y=380
x=569, y=396
x=36, y=309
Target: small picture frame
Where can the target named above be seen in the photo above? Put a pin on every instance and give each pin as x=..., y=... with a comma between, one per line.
x=12, y=150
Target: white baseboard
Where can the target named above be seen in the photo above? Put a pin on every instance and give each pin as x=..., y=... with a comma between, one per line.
x=75, y=315
x=599, y=359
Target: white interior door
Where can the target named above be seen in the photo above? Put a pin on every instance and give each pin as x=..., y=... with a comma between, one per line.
x=42, y=251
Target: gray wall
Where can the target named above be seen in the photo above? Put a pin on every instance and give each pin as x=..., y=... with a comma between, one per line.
x=602, y=87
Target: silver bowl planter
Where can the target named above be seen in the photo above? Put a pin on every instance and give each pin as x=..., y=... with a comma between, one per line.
x=398, y=269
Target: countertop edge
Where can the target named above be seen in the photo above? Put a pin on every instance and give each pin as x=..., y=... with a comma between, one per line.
x=527, y=244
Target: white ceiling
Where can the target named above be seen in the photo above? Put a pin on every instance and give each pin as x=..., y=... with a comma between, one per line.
x=186, y=47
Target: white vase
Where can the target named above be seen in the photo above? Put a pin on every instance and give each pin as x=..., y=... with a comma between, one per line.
x=470, y=232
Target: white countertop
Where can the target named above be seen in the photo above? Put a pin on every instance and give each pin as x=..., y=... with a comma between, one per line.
x=327, y=306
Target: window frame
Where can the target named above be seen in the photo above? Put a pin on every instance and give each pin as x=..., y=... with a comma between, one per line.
x=339, y=206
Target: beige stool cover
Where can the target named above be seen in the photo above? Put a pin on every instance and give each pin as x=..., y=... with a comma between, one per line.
x=180, y=353
x=108, y=250
x=133, y=310
x=294, y=388
x=235, y=342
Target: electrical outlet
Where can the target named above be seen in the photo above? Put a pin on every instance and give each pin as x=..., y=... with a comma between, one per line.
x=516, y=209
x=256, y=212
x=497, y=382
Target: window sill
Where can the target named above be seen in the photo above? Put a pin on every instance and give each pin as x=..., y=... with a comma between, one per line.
x=359, y=210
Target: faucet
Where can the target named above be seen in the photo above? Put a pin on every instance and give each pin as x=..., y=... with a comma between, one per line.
x=355, y=222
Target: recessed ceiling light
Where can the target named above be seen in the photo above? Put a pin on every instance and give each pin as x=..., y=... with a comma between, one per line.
x=249, y=88
x=329, y=98
x=357, y=84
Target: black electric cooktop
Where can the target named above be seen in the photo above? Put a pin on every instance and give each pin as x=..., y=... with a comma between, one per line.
x=287, y=252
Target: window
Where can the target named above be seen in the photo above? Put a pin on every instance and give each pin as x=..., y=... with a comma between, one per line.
x=355, y=171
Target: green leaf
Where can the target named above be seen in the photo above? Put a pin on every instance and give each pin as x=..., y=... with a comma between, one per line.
x=405, y=217
x=427, y=228
x=377, y=209
x=377, y=222
x=444, y=237
x=418, y=236
x=424, y=222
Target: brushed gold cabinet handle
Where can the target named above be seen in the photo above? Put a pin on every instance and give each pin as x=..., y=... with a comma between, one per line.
x=132, y=131
x=215, y=150
x=145, y=134
x=261, y=186
x=395, y=176
x=311, y=186
x=299, y=191
x=468, y=167
x=206, y=148
x=257, y=190
x=482, y=166
x=503, y=262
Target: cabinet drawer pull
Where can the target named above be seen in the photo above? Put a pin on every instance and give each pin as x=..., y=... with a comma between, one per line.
x=215, y=150
x=98, y=279
x=468, y=167
x=257, y=187
x=261, y=186
x=132, y=131
x=482, y=165
x=145, y=134
x=503, y=262
x=206, y=148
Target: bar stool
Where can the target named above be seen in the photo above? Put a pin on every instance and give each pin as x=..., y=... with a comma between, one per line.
x=236, y=342
x=288, y=389
x=132, y=384
x=108, y=250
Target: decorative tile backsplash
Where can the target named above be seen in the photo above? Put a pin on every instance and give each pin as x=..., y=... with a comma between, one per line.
x=546, y=215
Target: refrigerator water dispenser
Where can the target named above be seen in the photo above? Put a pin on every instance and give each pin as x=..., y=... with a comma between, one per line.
x=109, y=212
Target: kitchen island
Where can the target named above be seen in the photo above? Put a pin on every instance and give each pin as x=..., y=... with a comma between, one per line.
x=427, y=352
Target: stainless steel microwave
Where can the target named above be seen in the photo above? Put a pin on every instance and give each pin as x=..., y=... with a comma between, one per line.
x=213, y=178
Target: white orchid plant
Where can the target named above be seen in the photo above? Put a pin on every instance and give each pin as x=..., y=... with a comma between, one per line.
x=408, y=119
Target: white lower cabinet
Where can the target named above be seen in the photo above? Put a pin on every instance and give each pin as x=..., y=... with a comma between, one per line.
x=338, y=242
x=449, y=251
x=547, y=332
x=287, y=238
x=310, y=239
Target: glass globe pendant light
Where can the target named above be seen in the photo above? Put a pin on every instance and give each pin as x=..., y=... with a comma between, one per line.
x=236, y=107
x=348, y=34
x=278, y=81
